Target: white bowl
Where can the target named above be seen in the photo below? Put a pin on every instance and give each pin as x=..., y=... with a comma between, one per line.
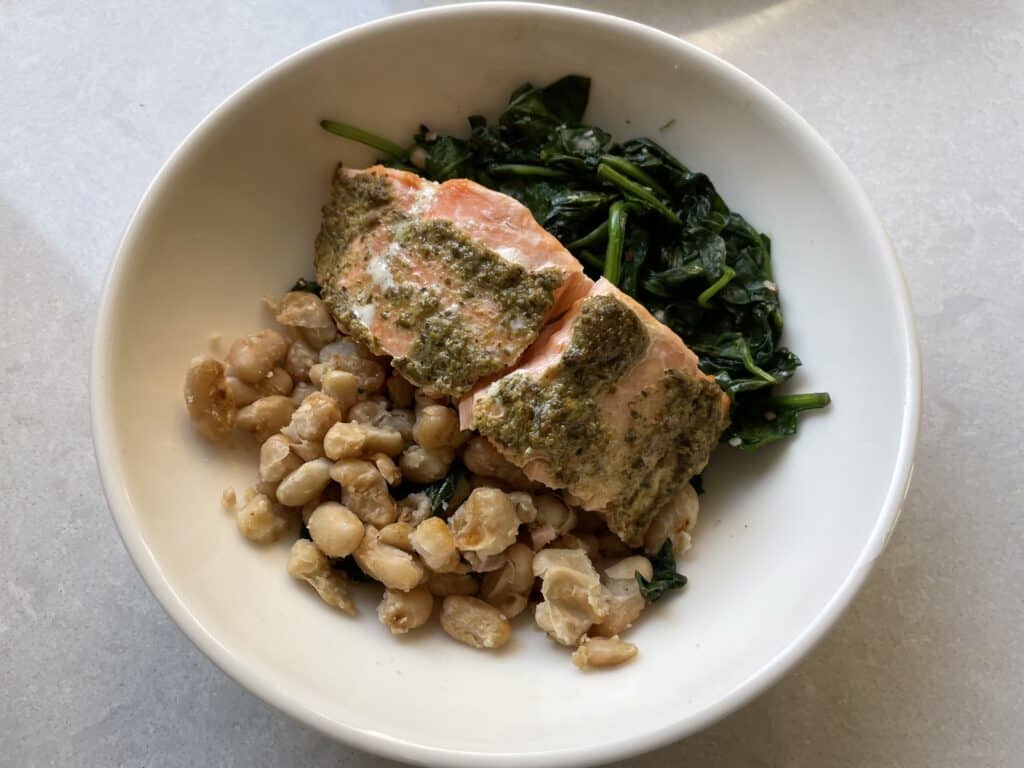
x=786, y=535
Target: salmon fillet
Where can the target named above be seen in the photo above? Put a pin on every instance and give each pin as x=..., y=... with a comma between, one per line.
x=453, y=281
x=609, y=405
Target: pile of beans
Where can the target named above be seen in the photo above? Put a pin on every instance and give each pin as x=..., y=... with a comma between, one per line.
x=350, y=458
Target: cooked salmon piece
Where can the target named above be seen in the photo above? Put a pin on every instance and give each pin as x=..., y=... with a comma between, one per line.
x=453, y=281
x=609, y=405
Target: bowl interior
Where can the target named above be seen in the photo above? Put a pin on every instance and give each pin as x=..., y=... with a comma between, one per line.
x=785, y=535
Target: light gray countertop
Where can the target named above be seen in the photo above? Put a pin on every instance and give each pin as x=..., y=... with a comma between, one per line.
x=925, y=102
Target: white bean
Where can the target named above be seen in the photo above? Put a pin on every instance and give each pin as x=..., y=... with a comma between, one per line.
x=335, y=529
x=299, y=360
x=602, y=652
x=414, y=508
x=301, y=392
x=436, y=427
x=423, y=465
x=309, y=564
x=486, y=523
x=277, y=459
x=302, y=309
x=482, y=458
x=434, y=542
x=319, y=337
x=389, y=565
x=508, y=589
x=317, y=414
x=474, y=622
x=209, y=403
x=397, y=535
x=304, y=483
x=365, y=492
x=252, y=357
x=674, y=522
x=259, y=520
x=342, y=386
x=266, y=416
x=401, y=611
x=629, y=567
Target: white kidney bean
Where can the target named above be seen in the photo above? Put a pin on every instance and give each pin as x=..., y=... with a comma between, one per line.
x=474, y=622
x=436, y=427
x=482, y=458
x=486, y=523
x=335, y=529
x=397, y=535
x=602, y=652
x=309, y=564
x=317, y=414
x=302, y=309
x=266, y=416
x=209, y=402
x=299, y=360
x=629, y=567
x=259, y=520
x=401, y=611
x=252, y=357
x=277, y=459
x=508, y=589
x=342, y=386
x=423, y=465
x=674, y=522
x=434, y=542
x=389, y=565
x=304, y=483
x=365, y=492
x=444, y=584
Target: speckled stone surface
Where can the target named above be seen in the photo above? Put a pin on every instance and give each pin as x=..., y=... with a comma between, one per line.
x=925, y=102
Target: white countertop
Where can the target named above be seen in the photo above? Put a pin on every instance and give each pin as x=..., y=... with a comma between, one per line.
x=925, y=102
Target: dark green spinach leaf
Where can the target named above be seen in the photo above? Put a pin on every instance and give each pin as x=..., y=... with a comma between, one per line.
x=441, y=492
x=309, y=286
x=665, y=576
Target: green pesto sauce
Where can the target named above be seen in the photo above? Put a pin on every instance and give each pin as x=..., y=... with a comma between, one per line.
x=673, y=442
x=557, y=417
x=445, y=352
x=524, y=297
x=607, y=340
x=358, y=203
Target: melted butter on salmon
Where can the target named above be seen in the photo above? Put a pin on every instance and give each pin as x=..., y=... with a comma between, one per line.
x=454, y=281
x=609, y=405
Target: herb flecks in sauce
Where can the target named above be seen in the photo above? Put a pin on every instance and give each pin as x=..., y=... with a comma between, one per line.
x=467, y=312
x=558, y=417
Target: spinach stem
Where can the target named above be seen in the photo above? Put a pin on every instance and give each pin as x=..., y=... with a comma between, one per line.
x=513, y=169
x=750, y=365
x=709, y=293
x=588, y=258
x=803, y=402
x=636, y=190
x=617, y=215
x=347, y=131
x=626, y=168
x=595, y=236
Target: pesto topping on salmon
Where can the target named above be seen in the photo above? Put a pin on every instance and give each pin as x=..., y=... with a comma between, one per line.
x=463, y=311
x=557, y=418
